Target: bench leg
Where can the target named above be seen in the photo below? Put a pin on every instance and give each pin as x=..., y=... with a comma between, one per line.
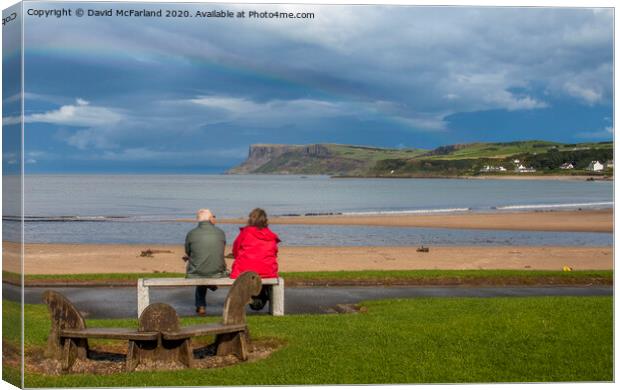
x=233, y=343
x=69, y=353
x=276, y=303
x=132, y=356
x=72, y=349
x=186, y=355
x=244, y=345
x=143, y=296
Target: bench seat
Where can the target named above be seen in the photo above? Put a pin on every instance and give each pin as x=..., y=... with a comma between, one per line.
x=201, y=330
x=109, y=333
x=275, y=288
x=174, y=282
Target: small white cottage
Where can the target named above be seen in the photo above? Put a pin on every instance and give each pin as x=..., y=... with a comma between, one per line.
x=595, y=166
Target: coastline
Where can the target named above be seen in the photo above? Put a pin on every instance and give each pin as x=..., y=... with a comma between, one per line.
x=585, y=220
x=125, y=258
x=489, y=177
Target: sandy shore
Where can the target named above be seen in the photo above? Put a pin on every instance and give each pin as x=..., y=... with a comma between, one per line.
x=539, y=177
x=573, y=221
x=112, y=258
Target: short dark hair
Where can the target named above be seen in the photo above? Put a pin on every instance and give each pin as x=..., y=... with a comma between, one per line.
x=258, y=218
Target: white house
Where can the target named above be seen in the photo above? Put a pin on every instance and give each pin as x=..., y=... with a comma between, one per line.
x=567, y=166
x=595, y=166
x=523, y=169
x=491, y=168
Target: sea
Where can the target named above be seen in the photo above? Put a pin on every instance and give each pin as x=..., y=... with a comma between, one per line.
x=146, y=208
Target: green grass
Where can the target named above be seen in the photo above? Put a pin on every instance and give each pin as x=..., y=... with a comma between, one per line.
x=372, y=154
x=11, y=334
x=91, y=277
x=428, y=340
x=415, y=277
x=498, y=150
x=505, y=149
x=479, y=277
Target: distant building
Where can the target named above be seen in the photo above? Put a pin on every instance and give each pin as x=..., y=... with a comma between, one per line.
x=595, y=166
x=523, y=169
x=517, y=161
x=567, y=166
x=491, y=168
x=609, y=164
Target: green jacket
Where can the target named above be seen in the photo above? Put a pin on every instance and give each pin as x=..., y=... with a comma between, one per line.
x=204, y=245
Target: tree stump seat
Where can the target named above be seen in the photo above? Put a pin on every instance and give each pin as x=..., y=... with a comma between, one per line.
x=159, y=337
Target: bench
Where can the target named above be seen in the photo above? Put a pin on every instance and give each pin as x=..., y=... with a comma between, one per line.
x=68, y=337
x=159, y=337
x=232, y=335
x=276, y=293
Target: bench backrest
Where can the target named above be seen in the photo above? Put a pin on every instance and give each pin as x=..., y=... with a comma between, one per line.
x=246, y=285
x=63, y=315
x=159, y=317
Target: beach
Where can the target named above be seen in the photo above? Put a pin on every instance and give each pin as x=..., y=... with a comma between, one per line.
x=586, y=220
x=56, y=258
x=113, y=258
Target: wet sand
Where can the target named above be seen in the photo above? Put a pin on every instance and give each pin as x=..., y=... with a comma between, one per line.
x=561, y=221
x=114, y=258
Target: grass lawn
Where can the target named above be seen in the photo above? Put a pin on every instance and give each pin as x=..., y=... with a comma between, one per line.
x=409, y=277
x=427, y=340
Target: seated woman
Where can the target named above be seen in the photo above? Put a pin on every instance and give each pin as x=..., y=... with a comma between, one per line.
x=256, y=249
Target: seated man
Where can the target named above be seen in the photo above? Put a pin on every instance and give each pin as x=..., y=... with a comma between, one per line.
x=204, y=247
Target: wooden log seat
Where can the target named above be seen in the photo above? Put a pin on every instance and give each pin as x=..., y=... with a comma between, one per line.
x=159, y=337
x=68, y=337
x=232, y=335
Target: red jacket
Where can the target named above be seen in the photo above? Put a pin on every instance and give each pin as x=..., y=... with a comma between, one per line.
x=255, y=250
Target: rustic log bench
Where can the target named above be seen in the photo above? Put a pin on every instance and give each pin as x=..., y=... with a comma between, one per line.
x=159, y=337
x=68, y=337
x=232, y=335
x=276, y=293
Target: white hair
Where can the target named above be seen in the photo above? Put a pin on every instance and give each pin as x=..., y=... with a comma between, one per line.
x=204, y=215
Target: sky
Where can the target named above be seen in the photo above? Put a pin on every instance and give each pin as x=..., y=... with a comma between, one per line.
x=190, y=95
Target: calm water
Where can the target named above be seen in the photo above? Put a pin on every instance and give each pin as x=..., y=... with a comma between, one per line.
x=307, y=235
x=124, y=203
x=176, y=196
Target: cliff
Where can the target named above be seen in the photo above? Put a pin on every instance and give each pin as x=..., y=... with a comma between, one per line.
x=262, y=154
x=324, y=159
x=444, y=161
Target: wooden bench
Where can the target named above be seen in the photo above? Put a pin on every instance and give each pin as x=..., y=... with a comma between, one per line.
x=68, y=337
x=159, y=337
x=232, y=335
x=276, y=293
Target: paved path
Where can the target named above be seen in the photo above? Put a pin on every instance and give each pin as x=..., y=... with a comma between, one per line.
x=120, y=302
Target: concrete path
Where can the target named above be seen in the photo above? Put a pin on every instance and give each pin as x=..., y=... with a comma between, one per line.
x=120, y=302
